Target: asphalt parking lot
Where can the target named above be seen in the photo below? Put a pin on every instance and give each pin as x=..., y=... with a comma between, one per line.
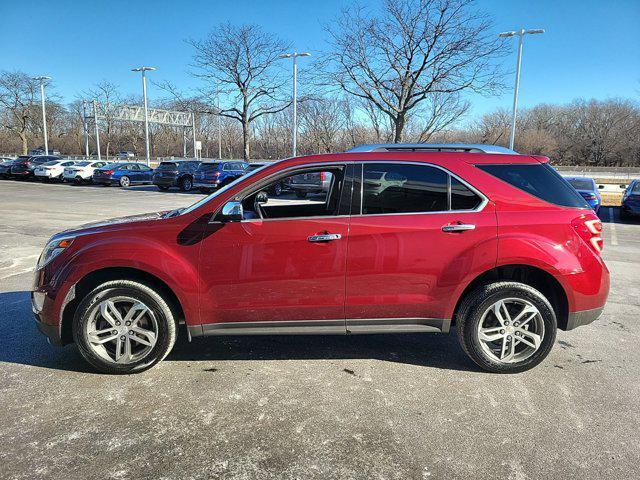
x=377, y=407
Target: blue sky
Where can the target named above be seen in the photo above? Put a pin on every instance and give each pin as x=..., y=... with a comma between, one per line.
x=591, y=48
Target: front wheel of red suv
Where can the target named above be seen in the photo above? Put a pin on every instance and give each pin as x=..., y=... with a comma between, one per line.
x=124, y=326
x=506, y=327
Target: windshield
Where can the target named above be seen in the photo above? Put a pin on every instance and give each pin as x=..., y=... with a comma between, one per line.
x=581, y=183
x=82, y=164
x=215, y=194
x=636, y=189
x=51, y=163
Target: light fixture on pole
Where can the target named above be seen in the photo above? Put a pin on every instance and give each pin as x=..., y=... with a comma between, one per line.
x=42, y=81
x=520, y=33
x=144, y=99
x=295, y=55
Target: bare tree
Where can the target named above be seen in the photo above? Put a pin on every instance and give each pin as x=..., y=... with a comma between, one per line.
x=108, y=98
x=413, y=50
x=242, y=62
x=18, y=97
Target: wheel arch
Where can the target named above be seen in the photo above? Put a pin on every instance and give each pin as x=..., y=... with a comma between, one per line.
x=97, y=277
x=543, y=281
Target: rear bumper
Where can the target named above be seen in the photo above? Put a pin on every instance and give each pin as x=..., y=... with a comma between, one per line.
x=165, y=182
x=211, y=186
x=104, y=181
x=583, y=317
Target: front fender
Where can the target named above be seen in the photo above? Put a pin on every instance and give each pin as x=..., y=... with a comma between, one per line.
x=174, y=265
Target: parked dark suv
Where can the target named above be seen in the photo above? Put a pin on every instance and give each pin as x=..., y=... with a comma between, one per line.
x=406, y=239
x=24, y=166
x=212, y=175
x=175, y=173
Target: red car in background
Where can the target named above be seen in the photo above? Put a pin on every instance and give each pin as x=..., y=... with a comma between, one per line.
x=406, y=238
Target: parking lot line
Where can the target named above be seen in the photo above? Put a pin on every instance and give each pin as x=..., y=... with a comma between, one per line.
x=614, y=233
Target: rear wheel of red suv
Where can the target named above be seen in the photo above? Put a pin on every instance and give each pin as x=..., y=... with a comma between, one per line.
x=124, y=326
x=506, y=327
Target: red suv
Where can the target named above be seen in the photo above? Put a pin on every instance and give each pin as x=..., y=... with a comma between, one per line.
x=407, y=238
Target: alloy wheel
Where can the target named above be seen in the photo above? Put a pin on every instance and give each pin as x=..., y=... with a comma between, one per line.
x=511, y=330
x=122, y=330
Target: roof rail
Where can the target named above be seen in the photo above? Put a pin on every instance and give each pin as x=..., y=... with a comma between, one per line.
x=433, y=147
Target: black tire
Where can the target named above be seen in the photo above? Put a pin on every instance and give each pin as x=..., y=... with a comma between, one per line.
x=186, y=184
x=78, y=180
x=162, y=188
x=125, y=181
x=477, y=302
x=301, y=194
x=167, y=325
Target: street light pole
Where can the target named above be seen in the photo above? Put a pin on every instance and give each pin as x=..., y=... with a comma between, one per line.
x=219, y=126
x=95, y=121
x=295, y=56
x=520, y=33
x=85, y=125
x=146, y=114
x=44, y=112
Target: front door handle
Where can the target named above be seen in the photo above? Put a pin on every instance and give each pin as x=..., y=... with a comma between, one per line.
x=324, y=237
x=458, y=227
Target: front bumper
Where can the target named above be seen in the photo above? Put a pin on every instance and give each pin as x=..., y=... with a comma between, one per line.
x=52, y=332
x=583, y=317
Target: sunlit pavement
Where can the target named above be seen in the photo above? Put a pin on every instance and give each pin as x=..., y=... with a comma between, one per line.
x=386, y=406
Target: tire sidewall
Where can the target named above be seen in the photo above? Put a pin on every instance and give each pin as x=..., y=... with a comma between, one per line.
x=492, y=294
x=125, y=183
x=163, y=315
x=186, y=184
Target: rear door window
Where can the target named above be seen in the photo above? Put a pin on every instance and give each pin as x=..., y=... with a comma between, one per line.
x=462, y=197
x=540, y=180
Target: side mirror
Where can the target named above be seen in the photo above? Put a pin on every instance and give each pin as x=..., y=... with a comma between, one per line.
x=232, y=212
x=261, y=197
x=601, y=187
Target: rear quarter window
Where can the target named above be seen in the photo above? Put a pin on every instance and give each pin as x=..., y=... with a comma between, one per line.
x=539, y=180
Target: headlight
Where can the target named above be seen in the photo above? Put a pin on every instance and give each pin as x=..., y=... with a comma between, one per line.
x=53, y=249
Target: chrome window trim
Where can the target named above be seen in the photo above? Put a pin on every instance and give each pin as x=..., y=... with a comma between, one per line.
x=266, y=180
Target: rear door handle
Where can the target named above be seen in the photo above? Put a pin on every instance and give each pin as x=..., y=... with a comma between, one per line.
x=460, y=227
x=324, y=237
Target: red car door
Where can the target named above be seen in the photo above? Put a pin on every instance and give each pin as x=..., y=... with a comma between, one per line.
x=275, y=270
x=413, y=247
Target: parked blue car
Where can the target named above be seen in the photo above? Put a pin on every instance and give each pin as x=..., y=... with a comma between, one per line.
x=212, y=175
x=631, y=201
x=123, y=174
x=588, y=189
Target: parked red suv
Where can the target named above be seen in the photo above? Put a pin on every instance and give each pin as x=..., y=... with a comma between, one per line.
x=407, y=238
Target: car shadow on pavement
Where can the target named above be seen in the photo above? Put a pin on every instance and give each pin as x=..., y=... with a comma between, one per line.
x=419, y=349
x=21, y=343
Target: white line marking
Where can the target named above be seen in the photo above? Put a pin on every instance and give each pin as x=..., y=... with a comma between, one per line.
x=614, y=233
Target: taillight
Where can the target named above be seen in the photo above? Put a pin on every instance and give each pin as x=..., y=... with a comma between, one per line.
x=590, y=230
x=108, y=172
x=322, y=176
